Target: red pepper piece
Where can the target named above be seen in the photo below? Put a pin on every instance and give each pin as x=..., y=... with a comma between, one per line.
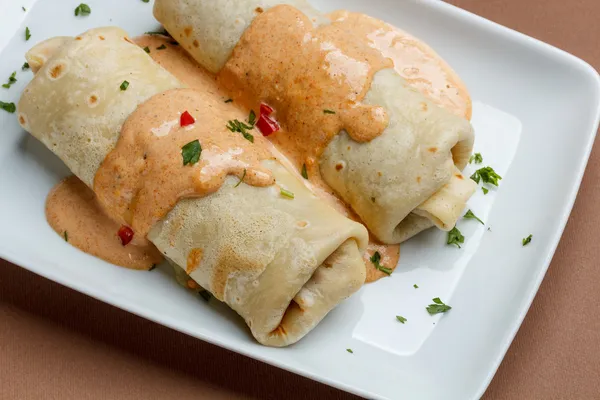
x=125, y=233
x=186, y=119
x=265, y=109
x=267, y=125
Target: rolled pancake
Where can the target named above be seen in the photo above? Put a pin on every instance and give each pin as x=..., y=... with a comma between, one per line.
x=400, y=183
x=282, y=264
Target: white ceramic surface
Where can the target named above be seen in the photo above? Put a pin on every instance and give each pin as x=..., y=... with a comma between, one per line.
x=536, y=112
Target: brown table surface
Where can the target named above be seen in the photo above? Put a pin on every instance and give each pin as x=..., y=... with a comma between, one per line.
x=56, y=343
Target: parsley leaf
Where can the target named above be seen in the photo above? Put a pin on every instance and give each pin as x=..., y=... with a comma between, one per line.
x=8, y=107
x=124, y=85
x=237, y=126
x=455, y=237
x=191, y=152
x=241, y=179
x=27, y=33
x=470, y=215
x=12, y=79
x=375, y=259
x=304, y=171
x=147, y=49
x=82, y=9
x=350, y=351
x=527, y=240
x=416, y=286
x=487, y=175
x=286, y=193
x=252, y=118
x=401, y=319
x=146, y=1
x=24, y=9
x=161, y=47
x=328, y=112
x=476, y=158
x=437, y=308
x=25, y=66
x=485, y=190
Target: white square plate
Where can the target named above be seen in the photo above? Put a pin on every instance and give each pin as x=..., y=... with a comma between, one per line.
x=536, y=112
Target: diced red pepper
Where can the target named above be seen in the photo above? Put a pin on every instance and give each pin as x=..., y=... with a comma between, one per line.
x=186, y=119
x=265, y=109
x=267, y=125
x=125, y=233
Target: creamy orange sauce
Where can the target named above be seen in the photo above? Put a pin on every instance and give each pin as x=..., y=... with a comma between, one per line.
x=144, y=176
x=73, y=212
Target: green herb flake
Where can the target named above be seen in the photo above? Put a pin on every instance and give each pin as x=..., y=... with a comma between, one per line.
x=476, y=158
x=487, y=175
x=416, y=286
x=124, y=85
x=27, y=33
x=191, y=152
x=485, y=190
x=286, y=193
x=24, y=9
x=401, y=319
x=470, y=215
x=375, y=259
x=145, y=1
x=241, y=179
x=8, y=107
x=12, y=79
x=328, y=111
x=350, y=351
x=66, y=236
x=304, y=172
x=83, y=10
x=229, y=101
x=438, y=307
x=161, y=47
x=206, y=295
x=527, y=240
x=147, y=49
x=25, y=66
x=455, y=237
x=252, y=118
x=237, y=126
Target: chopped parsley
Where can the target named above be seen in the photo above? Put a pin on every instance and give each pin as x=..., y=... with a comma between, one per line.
x=124, y=85
x=485, y=190
x=162, y=47
x=252, y=118
x=229, y=101
x=205, y=294
x=487, y=175
x=455, y=237
x=350, y=351
x=286, y=193
x=375, y=259
x=304, y=172
x=66, y=235
x=146, y=1
x=24, y=9
x=25, y=66
x=27, y=33
x=527, y=240
x=83, y=10
x=241, y=179
x=147, y=49
x=476, y=158
x=401, y=319
x=8, y=107
x=191, y=152
x=470, y=215
x=328, y=111
x=438, y=307
x=237, y=126
x=12, y=79
x=416, y=286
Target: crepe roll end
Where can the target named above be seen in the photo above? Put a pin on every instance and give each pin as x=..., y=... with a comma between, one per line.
x=39, y=54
